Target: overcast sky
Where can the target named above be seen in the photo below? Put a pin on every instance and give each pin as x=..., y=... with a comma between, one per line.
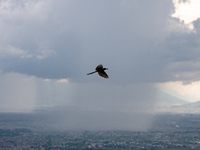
x=48, y=46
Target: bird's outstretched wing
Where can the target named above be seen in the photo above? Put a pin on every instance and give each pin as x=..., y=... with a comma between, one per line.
x=91, y=73
x=99, y=67
x=103, y=74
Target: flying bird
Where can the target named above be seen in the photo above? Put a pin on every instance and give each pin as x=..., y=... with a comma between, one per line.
x=100, y=71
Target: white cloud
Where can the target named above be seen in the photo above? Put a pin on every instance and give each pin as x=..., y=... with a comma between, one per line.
x=63, y=80
x=46, y=80
x=187, y=12
x=11, y=9
x=43, y=50
x=12, y=51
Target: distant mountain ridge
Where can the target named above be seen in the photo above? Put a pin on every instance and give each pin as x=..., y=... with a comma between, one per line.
x=162, y=103
x=193, y=107
x=172, y=104
x=167, y=100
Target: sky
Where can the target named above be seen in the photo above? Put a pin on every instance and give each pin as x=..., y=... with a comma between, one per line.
x=47, y=47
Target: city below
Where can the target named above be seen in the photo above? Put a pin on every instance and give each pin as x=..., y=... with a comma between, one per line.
x=167, y=132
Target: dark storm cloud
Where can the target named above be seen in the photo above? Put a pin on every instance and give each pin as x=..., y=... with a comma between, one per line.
x=67, y=39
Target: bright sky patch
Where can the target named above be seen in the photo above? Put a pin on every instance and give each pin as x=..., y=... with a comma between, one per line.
x=189, y=92
x=187, y=12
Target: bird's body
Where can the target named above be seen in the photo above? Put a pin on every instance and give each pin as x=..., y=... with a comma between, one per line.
x=100, y=71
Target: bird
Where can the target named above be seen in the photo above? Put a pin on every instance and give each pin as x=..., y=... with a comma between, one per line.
x=100, y=71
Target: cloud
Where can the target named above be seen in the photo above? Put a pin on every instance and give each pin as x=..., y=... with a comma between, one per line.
x=12, y=51
x=68, y=39
x=23, y=9
x=67, y=43
x=187, y=11
x=62, y=80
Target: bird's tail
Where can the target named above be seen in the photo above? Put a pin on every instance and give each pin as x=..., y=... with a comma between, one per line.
x=91, y=73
